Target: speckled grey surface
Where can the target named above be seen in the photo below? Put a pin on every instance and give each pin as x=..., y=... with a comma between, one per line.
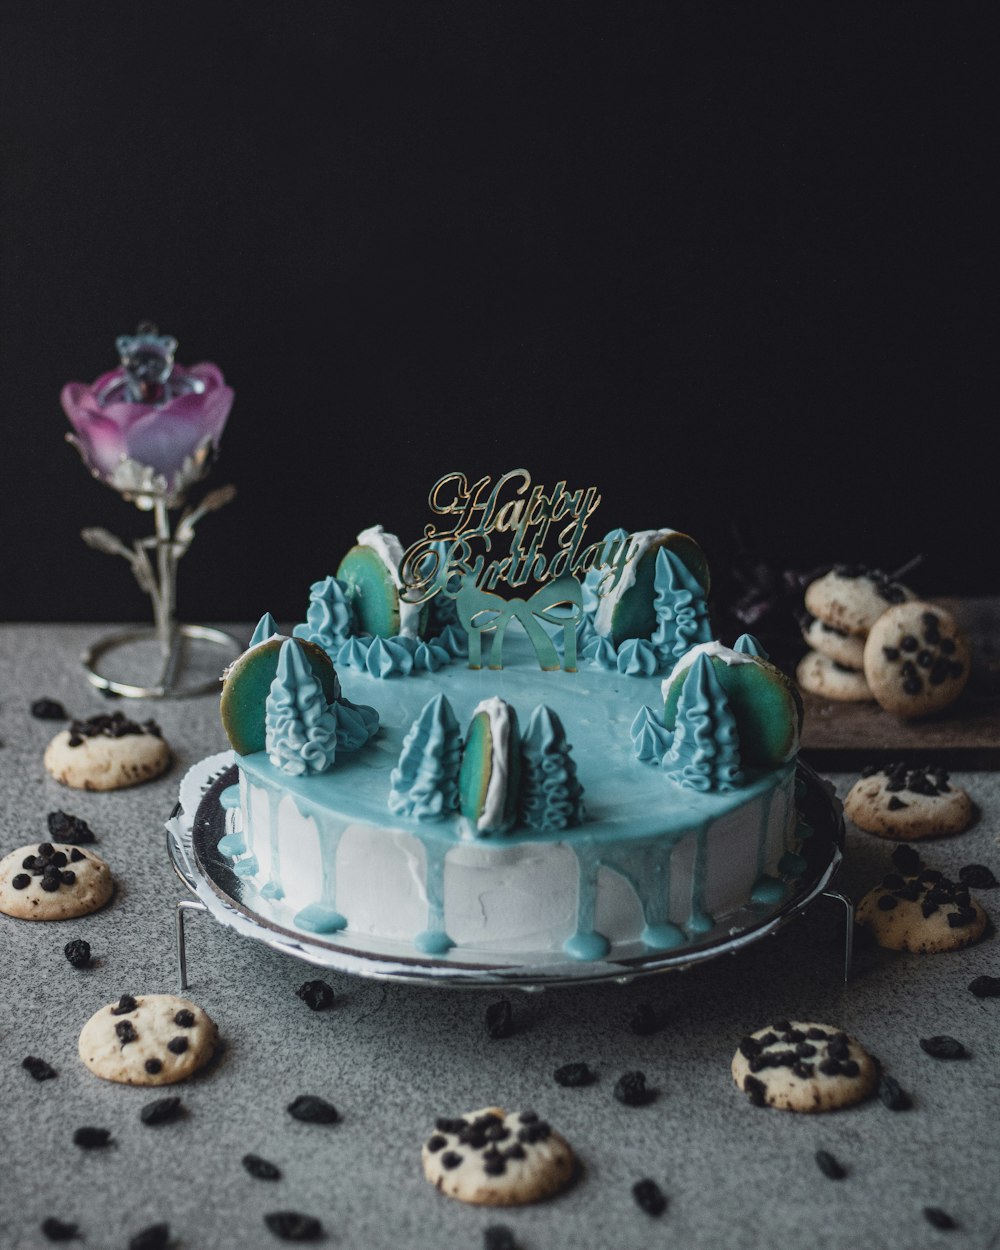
x=393, y=1058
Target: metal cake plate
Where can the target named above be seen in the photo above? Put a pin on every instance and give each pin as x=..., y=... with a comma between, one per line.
x=198, y=821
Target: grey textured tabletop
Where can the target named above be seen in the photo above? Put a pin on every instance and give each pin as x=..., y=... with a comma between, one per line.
x=393, y=1058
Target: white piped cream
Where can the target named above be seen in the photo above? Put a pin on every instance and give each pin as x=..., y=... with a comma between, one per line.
x=496, y=789
x=389, y=550
x=640, y=542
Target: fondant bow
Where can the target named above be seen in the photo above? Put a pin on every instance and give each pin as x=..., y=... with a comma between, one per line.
x=559, y=602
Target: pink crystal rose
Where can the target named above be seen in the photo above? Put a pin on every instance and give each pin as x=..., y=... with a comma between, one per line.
x=154, y=446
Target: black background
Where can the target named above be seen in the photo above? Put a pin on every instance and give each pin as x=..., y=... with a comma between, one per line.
x=734, y=264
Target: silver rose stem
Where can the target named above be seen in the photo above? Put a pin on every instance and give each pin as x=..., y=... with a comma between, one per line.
x=165, y=596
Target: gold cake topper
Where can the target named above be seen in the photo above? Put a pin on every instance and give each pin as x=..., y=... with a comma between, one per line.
x=462, y=559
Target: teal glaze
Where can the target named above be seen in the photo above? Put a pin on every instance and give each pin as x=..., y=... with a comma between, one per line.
x=273, y=887
x=434, y=940
x=768, y=890
x=247, y=867
x=587, y=947
x=231, y=845
x=762, y=827
x=319, y=919
x=230, y=798
x=699, y=920
x=792, y=864
x=635, y=816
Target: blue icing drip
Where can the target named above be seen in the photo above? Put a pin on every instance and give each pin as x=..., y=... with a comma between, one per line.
x=681, y=610
x=637, y=658
x=328, y=617
x=647, y=870
x=300, y=729
x=585, y=943
x=699, y=920
x=231, y=845
x=550, y=796
x=315, y=918
x=266, y=628
x=354, y=653
x=663, y=937
x=434, y=940
x=247, y=867
x=230, y=798
x=424, y=784
x=273, y=887
x=768, y=890
x=747, y=644
x=650, y=737
x=765, y=821
x=792, y=864
x=704, y=754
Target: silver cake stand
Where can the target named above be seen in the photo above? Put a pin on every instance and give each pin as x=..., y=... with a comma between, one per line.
x=197, y=823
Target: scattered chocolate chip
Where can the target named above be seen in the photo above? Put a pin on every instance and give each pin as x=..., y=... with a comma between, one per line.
x=177, y=1045
x=66, y=828
x=155, y=1237
x=631, y=1089
x=67, y=877
x=887, y=902
x=436, y=1142
x=184, y=1018
x=76, y=856
x=260, y=1169
x=892, y=1094
x=293, y=1226
x=21, y=881
x=78, y=953
x=907, y=860
x=890, y=653
x=962, y=918
x=649, y=1196
x=162, y=1111
x=896, y=805
x=913, y=685
x=940, y=1219
x=445, y=1125
x=908, y=643
x=494, y=1165
x=977, y=877
x=829, y=1166
x=50, y=884
x=92, y=1138
x=755, y=1090
x=126, y=1032
x=317, y=995
x=644, y=1020
x=498, y=1237
x=38, y=1068
x=153, y=1066
x=985, y=987
x=125, y=1004
x=499, y=1019
x=56, y=1230
x=450, y=1159
x=48, y=709
x=573, y=1075
x=312, y=1109
x=943, y=1047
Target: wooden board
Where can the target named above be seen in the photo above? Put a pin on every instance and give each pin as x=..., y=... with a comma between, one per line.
x=846, y=736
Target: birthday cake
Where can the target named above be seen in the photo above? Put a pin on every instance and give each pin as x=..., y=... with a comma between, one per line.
x=427, y=768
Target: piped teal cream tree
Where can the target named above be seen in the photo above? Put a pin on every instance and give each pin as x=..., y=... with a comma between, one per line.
x=424, y=784
x=705, y=751
x=681, y=610
x=299, y=724
x=328, y=617
x=551, y=795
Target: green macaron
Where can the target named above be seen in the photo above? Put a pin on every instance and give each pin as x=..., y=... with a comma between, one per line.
x=634, y=615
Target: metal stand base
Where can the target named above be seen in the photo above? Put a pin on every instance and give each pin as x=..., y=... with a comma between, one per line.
x=168, y=682
x=180, y=945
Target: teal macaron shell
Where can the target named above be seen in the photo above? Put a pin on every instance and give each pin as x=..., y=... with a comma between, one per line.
x=248, y=682
x=477, y=769
x=765, y=702
x=634, y=615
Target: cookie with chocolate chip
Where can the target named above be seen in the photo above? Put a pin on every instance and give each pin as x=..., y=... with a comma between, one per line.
x=918, y=909
x=53, y=881
x=818, y=674
x=847, y=650
x=916, y=659
x=497, y=1159
x=908, y=802
x=107, y=752
x=851, y=598
x=147, y=1039
x=796, y=1065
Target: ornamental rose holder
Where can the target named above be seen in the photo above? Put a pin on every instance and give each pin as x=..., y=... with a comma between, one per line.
x=150, y=429
x=177, y=647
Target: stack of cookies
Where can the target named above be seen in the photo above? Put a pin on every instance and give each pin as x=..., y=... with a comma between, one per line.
x=870, y=638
